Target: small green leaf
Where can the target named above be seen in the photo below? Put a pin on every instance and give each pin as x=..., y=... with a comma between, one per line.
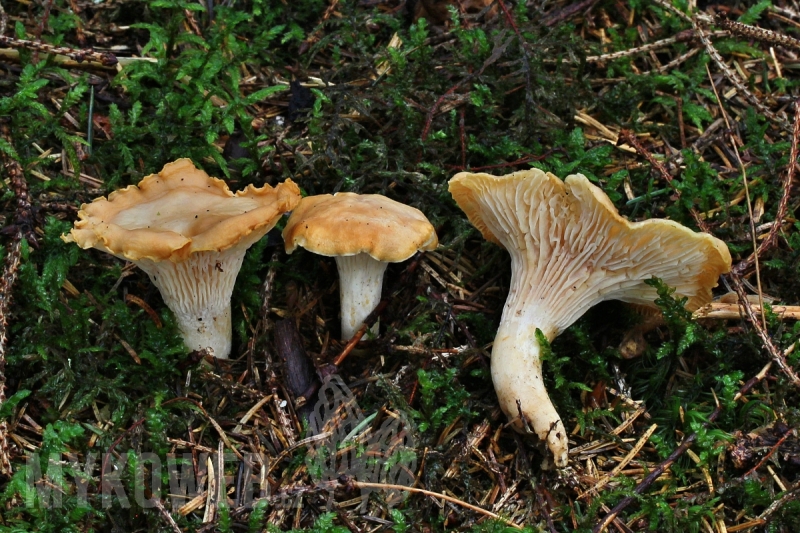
x=7, y=407
x=264, y=93
x=754, y=13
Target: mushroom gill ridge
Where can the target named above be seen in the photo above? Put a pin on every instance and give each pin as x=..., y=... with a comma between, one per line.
x=569, y=239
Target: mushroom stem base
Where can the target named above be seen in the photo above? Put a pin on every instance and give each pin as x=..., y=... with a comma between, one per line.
x=517, y=377
x=198, y=292
x=360, y=284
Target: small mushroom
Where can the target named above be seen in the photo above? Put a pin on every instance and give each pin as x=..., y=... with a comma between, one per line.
x=570, y=249
x=189, y=233
x=364, y=232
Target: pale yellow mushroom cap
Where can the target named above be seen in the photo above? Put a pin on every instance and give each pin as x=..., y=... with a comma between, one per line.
x=347, y=224
x=569, y=231
x=177, y=212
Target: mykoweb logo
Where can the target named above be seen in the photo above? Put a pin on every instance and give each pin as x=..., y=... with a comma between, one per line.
x=349, y=444
x=376, y=453
x=133, y=479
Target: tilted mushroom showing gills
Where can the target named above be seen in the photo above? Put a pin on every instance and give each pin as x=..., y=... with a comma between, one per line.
x=189, y=232
x=364, y=232
x=570, y=249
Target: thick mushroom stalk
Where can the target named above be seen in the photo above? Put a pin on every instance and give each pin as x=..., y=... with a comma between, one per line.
x=360, y=285
x=189, y=232
x=198, y=292
x=570, y=249
x=517, y=377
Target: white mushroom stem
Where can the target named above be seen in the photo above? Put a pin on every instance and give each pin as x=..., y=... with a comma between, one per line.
x=198, y=292
x=360, y=284
x=517, y=377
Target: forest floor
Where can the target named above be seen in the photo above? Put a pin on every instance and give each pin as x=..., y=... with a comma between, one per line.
x=677, y=109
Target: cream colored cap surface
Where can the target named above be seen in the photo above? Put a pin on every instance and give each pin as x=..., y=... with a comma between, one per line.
x=569, y=230
x=179, y=211
x=348, y=224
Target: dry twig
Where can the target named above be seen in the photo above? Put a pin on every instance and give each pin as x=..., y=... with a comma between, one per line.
x=556, y=17
x=3, y=19
x=783, y=205
x=775, y=354
x=682, y=37
x=726, y=311
x=754, y=32
x=786, y=497
x=732, y=77
x=761, y=327
x=165, y=515
x=22, y=227
x=751, y=219
x=6, y=284
x=629, y=137
x=105, y=58
x=385, y=486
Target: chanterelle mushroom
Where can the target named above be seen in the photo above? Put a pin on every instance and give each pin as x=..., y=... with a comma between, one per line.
x=364, y=232
x=570, y=249
x=189, y=232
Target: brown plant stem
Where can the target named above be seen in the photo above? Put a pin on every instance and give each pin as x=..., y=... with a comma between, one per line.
x=754, y=32
x=761, y=327
x=6, y=285
x=561, y=15
x=22, y=219
x=106, y=58
x=783, y=205
x=775, y=355
x=769, y=454
x=726, y=311
x=733, y=77
x=629, y=137
x=159, y=505
x=445, y=497
x=48, y=5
